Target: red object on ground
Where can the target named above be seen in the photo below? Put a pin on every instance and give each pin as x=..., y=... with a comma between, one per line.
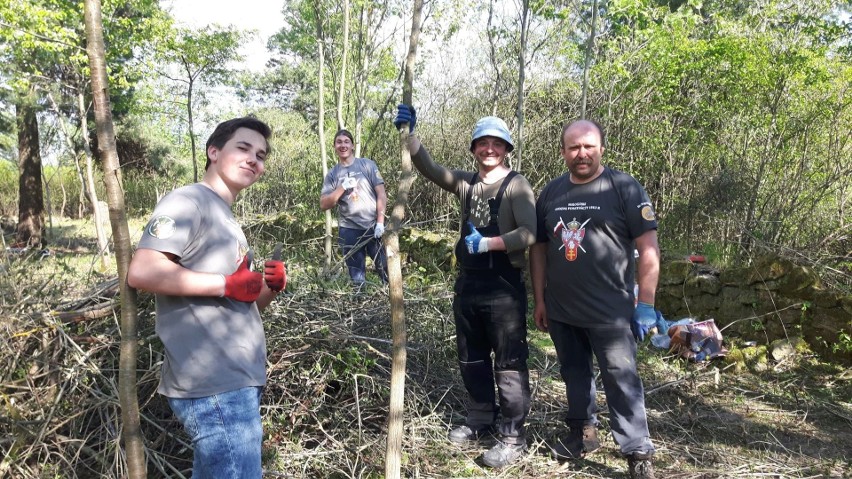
x=697, y=258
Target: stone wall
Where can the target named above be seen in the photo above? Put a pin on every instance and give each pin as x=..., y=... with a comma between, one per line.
x=772, y=299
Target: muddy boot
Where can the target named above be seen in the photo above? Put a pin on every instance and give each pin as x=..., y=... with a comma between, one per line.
x=639, y=465
x=579, y=442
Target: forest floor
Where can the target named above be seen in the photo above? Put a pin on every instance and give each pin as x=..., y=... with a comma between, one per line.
x=326, y=401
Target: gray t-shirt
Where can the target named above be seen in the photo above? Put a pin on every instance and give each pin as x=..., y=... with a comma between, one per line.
x=356, y=208
x=590, y=231
x=212, y=345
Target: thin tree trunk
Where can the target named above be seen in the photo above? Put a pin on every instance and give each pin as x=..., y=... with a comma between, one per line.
x=30, y=188
x=492, y=54
x=522, y=66
x=81, y=198
x=64, y=197
x=321, y=126
x=103, y=244
x=397, y=305
x=47, y=208
x=361, y=77
x=127, y=393
x=189, y=121
x=340, y=91
x=590, y=50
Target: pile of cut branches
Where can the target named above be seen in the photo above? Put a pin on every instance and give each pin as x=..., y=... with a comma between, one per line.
x=325, y=404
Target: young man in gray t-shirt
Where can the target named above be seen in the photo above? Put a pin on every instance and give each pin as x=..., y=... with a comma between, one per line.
x=194, y=257
x=355, y=186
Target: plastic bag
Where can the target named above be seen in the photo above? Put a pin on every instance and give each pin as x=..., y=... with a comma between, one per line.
x=697, y=341
x=662, y=340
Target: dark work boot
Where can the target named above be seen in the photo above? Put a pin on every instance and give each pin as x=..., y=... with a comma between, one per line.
x=639, y=465
x=580, y=441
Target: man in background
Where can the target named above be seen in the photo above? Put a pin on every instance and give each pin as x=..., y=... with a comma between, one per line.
x=356, y=187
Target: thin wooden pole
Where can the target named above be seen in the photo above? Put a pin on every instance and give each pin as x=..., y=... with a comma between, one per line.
x=397, y=306
x=128, y=397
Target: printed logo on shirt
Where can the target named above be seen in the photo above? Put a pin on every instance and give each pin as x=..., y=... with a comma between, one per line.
x=244, y=250
x=161, y=227
x=571, y=234
x=480, y=211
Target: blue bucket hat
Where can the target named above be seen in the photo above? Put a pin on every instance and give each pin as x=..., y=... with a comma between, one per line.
x=492, y=126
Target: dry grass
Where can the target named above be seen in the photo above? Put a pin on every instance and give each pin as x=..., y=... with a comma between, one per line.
x=325, y=404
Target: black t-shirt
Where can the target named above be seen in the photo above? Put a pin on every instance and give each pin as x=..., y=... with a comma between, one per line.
x=590, y=231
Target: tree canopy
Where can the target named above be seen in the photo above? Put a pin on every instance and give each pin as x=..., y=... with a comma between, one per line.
x=734, y=115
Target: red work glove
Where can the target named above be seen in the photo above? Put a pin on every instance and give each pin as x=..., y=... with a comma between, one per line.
x=275, y=275
x=243, y=285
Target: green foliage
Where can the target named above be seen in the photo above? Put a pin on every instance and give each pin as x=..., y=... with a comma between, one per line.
x=732, y=114
x=43, y=42
x=843, y=344
x=143, y=190
x=62, y=191
x=728, y=125
x=371, y=71
x=293, y=175
x=8, y=188
x=203, y=54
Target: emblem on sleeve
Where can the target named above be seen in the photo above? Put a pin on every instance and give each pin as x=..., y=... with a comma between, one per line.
x=648, y=213
x=161, y=227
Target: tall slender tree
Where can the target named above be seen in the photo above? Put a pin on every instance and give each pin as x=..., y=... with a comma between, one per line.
x=341, y=90
x=199, y=56
x=522, y=76
x=127, y=393
x=321, y=124
x=590, y=52
x=397, y=304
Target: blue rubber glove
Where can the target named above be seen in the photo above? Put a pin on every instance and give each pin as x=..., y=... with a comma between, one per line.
x=644, y=318
x=475, y=242
x=662, y=324
x=405, y=114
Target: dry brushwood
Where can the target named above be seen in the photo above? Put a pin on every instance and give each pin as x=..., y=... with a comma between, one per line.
x=325, y=404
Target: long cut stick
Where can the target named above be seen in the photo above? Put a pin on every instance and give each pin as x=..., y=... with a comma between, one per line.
x=397, y=383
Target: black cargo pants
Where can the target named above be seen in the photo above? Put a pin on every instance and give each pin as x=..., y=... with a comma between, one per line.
x=490, y=315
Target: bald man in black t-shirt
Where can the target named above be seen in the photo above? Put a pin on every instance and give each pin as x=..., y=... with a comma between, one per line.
x=589, y=221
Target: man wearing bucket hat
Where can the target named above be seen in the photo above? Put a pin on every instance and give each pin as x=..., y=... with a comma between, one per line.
x=497, y=225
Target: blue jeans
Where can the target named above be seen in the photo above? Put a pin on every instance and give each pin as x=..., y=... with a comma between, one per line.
x=615, y=350
x=226, y=433
x=357, y=262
